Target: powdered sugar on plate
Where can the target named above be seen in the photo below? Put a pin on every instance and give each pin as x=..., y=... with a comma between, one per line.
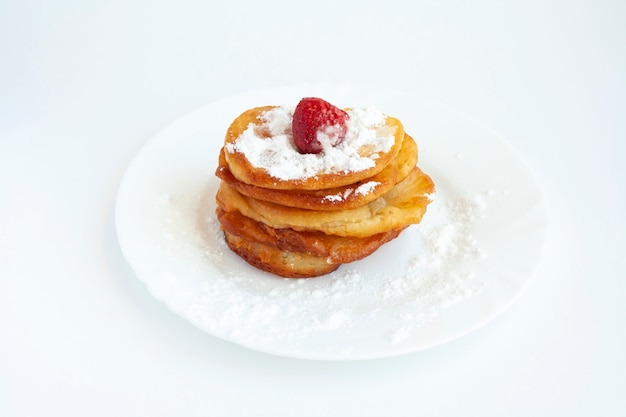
x=254, y=307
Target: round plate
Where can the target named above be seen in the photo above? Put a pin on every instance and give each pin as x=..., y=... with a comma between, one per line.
x=469, y=259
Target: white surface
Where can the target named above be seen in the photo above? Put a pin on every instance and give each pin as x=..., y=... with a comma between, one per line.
x=83, y=85
x=468, y=260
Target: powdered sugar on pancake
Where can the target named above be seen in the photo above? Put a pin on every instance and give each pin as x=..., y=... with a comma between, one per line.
x=366, y=138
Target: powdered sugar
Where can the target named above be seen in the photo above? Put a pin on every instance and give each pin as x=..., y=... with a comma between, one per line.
x=367, y=187
x=253, y=307
x=362, y=189
x=280, y=158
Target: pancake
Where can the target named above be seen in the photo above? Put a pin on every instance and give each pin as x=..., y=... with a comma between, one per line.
x=286, y=264
x=338, y=198
x=302, y=215
x=253, y=135
x=335, y=249
x=403, y=205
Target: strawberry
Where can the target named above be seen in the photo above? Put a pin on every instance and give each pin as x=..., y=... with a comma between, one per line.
x=314, y=116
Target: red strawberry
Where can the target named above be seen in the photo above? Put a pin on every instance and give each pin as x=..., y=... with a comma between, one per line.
x=312, y=116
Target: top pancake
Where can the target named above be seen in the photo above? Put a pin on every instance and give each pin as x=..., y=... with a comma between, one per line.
x=259, y=150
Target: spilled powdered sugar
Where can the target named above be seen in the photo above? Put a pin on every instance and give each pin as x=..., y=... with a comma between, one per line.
x=432, y=270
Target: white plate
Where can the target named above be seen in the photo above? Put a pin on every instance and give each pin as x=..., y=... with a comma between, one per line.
x=471, y=257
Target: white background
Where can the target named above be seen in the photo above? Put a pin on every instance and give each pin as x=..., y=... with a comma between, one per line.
x=83, y=84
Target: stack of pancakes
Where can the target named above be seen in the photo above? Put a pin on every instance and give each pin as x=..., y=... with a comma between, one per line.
x=310, y=225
